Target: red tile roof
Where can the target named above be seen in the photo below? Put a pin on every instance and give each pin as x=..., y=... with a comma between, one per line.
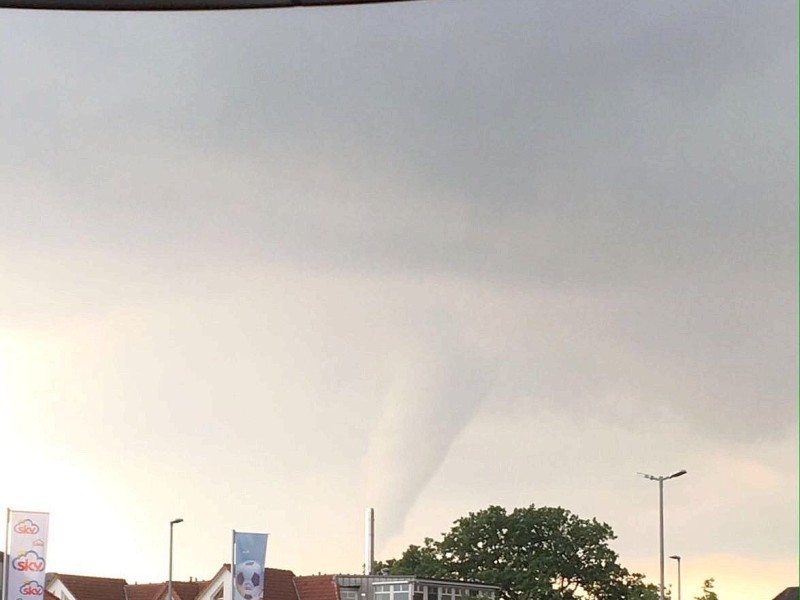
x=145, y=591
x=182, y=590
x=316, y=587
x=279, y=585
x=789, y=593
x=186, y=590
x=93, y=588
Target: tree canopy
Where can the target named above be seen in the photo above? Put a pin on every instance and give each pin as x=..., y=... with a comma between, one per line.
x=530, y=553
x=708, y=591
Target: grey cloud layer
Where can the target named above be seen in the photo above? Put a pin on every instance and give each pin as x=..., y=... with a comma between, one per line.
x=550, y=143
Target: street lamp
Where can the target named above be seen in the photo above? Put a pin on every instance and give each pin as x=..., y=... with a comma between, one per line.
x=169, y=583
x=661, y=479
x=678, y=558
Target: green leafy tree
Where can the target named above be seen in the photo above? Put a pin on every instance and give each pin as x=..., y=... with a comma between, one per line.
x=530, y=553
x=421, y=561
x=630, y=586
x=708, y=591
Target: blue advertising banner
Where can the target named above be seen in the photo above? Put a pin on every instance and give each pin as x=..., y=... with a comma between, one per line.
x=249, y=554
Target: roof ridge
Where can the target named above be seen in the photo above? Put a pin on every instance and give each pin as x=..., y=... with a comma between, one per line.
x=294, y=586
x=90, y=577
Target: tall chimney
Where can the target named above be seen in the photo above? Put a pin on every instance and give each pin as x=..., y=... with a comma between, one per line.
x=369, y=545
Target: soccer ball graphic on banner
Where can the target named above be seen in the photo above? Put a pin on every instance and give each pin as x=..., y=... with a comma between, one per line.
x=249, y=575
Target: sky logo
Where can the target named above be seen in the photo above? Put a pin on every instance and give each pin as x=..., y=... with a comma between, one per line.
x=28, y=562
x=31, y=588
x=26, y=527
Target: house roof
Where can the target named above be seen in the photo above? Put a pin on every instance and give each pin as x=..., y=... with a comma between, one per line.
x=790, y=593
x=93, y=588
x=317, y=587
x=279, y=585
x=205, y=585
x=182, y=590
x=145, y=591
x=186, y=590
x=50, y=596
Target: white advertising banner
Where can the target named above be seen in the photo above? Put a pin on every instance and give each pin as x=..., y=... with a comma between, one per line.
x=26, y=549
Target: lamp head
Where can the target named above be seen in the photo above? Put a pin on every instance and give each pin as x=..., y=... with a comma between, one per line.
x=676, y=557
x=176, y=521
x=678, y=474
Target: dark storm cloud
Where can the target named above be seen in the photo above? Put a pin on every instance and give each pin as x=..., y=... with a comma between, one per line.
x=563, y=142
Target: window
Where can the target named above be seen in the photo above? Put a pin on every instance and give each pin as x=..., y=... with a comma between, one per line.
x=391, y=591
x=348, y=594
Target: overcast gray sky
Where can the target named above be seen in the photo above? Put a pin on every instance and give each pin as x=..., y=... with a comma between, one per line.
x=264, y=269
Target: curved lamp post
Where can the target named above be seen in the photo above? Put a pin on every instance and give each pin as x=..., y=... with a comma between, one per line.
x=169, y=583
x=661, y=479
x=678, y=558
